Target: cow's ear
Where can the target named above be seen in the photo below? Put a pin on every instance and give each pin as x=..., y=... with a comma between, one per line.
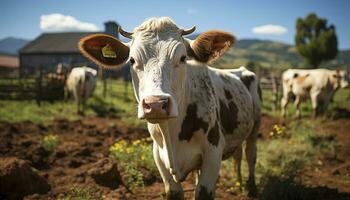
x=210, y=45
x=104, y=50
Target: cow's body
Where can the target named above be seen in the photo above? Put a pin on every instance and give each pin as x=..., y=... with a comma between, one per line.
x=218, y=114
x=196, y=115
x=81, y=83
x=319, y=85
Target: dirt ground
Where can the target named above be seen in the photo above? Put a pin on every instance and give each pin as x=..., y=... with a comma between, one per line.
x=85, y=145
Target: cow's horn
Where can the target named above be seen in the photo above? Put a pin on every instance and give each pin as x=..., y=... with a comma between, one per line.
x=124, y=33
x=188, y=31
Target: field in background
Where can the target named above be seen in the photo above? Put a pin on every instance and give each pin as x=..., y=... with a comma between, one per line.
x=297, y=159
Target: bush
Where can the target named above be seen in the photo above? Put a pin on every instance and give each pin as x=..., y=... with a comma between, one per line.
x=50, y=142
x=132, y=157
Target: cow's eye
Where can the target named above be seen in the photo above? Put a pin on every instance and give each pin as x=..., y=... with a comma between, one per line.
x=132, y=60
x=183, y=59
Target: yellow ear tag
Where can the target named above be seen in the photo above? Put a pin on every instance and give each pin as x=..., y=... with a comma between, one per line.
x=108, y=52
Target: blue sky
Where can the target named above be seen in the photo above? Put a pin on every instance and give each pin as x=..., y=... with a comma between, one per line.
x=22, y=18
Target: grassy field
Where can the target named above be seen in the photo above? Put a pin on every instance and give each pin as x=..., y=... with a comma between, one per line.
x=114, y=104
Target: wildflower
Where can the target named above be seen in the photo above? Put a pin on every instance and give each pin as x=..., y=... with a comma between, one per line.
x=238, y=184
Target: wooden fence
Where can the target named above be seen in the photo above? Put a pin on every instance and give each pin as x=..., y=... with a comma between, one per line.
x=40, y=87
x=272, y=82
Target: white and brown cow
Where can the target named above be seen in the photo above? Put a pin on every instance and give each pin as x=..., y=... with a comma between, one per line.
x=196, y=115
x=81, y=84
x=319, y=85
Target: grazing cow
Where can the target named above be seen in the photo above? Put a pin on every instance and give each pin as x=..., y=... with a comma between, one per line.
x=81, y=83
x=318, y=84
x=196, y=115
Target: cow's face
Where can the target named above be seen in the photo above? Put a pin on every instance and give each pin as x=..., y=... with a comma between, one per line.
x=157, y=54
x=158, y=64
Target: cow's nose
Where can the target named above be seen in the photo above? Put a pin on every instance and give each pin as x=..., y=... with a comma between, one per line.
x=158, y=105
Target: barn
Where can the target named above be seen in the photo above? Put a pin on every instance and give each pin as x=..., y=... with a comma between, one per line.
x=49, y=49
x=9, y=65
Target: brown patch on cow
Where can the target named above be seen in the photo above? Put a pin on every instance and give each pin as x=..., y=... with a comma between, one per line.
x=286, y=81
x=228, y=116
x=214, y=135
x=301, y=79
x=211, y=45
x=247, y=80
x=191, y=123
x=91, y=47
x=228, y=94
x=204, y=194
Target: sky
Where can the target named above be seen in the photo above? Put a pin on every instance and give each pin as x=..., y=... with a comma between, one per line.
x=246, y=19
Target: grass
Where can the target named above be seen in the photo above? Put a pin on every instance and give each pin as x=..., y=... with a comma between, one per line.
x=82, y=193
x=113, y=104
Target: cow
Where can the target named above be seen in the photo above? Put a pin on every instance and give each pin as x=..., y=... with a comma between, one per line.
x=196, y=115
x=81, y=83
x=319, y=85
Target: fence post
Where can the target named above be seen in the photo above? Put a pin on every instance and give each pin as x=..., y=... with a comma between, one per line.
x=274, y=92
x=39, y=85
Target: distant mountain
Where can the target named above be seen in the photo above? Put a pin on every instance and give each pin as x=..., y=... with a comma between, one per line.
x=11, y=45
x=272, y=55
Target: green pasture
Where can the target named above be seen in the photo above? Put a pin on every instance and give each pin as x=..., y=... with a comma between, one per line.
x=115, y=104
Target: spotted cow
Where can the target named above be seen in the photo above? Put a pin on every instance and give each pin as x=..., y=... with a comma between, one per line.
x=196, y=115
x=319, y=85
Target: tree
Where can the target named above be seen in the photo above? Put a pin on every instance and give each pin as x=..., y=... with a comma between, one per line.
x=315, y=41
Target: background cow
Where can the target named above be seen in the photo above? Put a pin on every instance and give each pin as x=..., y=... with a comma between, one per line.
x=319, y=85
x=196, y=115
x=81, y=83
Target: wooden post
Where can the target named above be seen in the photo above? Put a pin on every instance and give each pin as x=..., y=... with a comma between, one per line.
x=274, y=92
x=104, y=81
x=39, y=85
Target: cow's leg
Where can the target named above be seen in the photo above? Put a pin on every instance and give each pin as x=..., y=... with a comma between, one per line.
x=237, y=162
x=297, y=106
x=250, y=152
x=315, y=104
x=173, y=190
x=284, y=103
x=208, y=175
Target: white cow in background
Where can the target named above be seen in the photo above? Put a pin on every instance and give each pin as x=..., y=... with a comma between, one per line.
x=197, y=115
x=81, y=83
x=319, y=85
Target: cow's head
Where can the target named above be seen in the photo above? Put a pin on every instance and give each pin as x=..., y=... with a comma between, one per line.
x=158, y=54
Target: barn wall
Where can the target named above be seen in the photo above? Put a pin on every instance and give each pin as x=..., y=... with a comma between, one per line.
x=30, y=63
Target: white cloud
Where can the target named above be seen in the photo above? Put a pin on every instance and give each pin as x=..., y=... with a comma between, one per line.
x=59, y=22
x=270, y=29
x=192, y=11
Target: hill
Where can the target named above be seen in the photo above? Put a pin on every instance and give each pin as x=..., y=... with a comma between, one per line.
x=272, y=55
x=11, y=45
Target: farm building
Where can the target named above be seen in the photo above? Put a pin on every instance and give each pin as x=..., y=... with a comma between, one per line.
x=50, y=49
x=9, y=65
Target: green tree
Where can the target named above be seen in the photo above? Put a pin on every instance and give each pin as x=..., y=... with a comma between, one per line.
x=315, y=40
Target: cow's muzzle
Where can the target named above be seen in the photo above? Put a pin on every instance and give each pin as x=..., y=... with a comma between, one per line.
x=156, y=109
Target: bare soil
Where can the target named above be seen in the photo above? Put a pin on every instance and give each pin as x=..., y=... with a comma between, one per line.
x=82, y=159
